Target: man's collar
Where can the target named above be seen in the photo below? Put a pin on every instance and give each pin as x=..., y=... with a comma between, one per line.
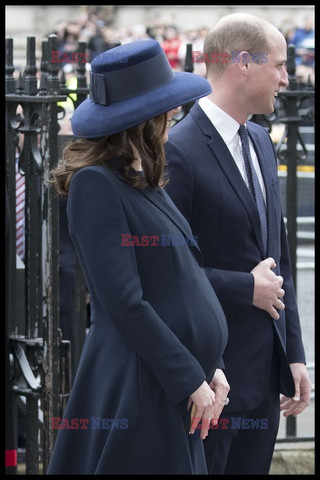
x=226, y=126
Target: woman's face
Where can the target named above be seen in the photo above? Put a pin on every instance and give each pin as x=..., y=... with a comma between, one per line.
x=169, y=119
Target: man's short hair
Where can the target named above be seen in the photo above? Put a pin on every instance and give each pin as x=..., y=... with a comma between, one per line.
x=231, y=35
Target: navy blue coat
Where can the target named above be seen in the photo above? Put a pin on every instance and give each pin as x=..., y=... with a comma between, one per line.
x=157, y=332
x=208, y=189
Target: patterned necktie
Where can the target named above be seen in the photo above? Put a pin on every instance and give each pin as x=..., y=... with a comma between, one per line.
x=254, y=185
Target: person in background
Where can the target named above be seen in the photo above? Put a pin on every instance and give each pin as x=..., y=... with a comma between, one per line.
x=195, y=36
x=171, y=44
x=101, y=41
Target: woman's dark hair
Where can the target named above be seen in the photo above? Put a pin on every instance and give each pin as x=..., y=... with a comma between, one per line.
x=146, y=138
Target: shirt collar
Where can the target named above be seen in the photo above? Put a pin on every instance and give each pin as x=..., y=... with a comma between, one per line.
x=227, y=126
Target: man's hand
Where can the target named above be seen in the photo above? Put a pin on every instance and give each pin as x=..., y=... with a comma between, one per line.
x=221, y=389
x=267, y=291
x=294, y=406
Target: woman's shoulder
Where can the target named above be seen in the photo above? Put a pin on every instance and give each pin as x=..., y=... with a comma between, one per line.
x=114, y=167
x=108, y=173
x=94, y=180
x=93, y=170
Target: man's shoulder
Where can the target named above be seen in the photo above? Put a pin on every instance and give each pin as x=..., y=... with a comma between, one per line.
x=258, y=129
x=259, y=132
x=183, y=125
x=188, y=128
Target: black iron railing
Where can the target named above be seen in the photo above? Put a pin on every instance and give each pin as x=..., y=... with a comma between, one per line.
x=41, y=359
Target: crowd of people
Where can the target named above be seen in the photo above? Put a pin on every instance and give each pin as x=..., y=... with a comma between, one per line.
x=100, y=36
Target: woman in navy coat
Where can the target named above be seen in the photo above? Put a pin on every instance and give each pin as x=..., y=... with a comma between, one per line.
x=157, y=328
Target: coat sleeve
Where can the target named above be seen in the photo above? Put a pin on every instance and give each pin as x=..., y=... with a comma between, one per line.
x=234, y=289
x=96, y=222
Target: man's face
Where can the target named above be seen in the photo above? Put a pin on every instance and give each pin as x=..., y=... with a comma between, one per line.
x=265, y=80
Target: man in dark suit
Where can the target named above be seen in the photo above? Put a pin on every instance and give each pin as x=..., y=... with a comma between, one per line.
x=243, y=239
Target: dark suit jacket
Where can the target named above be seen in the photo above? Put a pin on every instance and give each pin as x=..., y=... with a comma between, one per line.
x=158, y=331
x=207, y=187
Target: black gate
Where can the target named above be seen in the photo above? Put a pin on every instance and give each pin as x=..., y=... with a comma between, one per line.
x=38, y=370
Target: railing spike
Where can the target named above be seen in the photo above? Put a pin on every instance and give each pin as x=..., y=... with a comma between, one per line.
x=10, y=81
x=30, y=86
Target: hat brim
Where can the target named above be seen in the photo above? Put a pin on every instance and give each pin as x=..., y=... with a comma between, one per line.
x=91, y=120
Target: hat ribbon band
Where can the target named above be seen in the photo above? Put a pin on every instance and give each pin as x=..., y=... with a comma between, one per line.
x=131, y=81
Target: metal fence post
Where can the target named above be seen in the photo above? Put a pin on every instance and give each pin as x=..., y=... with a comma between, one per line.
x=36, y=345
x=50, y=227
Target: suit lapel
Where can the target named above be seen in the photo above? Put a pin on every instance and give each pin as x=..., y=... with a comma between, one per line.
x=228, y=165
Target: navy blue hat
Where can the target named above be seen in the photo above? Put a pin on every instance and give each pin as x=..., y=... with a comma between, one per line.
x=130, y=84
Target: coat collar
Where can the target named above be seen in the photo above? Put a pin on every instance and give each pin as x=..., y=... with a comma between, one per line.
x=163, y=202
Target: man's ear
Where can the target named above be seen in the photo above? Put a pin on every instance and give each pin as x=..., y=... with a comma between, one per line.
x=244, y=60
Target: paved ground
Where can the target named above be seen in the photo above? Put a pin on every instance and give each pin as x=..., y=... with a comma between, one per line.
x=297, y=459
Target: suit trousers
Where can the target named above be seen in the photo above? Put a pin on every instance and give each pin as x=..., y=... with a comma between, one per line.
x=242, y=446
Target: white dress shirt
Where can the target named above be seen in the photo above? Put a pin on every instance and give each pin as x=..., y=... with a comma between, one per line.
x=228, y=128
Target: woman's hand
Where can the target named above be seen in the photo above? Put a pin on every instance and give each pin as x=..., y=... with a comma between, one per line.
x=221, y=388
x=203, y=405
